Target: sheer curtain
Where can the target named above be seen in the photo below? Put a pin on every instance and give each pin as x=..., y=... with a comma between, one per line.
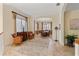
x=18, y=25
x=21, y=24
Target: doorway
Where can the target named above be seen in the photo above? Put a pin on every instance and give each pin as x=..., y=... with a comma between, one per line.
x=43, y=27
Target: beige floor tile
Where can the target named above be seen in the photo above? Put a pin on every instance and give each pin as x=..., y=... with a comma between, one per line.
x=40, y=46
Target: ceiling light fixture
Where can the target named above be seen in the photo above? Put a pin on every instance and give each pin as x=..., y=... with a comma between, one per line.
x=57, y=4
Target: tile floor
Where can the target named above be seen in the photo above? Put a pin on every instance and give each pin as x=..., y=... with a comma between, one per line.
x=39, y=46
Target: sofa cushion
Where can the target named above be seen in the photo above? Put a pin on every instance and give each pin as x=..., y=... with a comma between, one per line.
x=17, y=40
x=24, y=34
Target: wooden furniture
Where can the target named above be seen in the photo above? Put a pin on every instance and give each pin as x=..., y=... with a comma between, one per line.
x=76, y=47
x=37, y=32
x=30, y=35
x=77, y=41
x=45, y=33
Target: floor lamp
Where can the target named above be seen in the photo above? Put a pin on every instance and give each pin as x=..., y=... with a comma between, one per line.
x=56, y=28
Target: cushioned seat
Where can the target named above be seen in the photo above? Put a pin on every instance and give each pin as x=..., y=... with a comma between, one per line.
x=17, y=39
x=24, y=34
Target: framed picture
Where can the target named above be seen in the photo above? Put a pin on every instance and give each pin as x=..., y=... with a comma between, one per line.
x=74, y=24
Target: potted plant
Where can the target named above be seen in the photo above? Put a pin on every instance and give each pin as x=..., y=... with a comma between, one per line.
x=71, y=39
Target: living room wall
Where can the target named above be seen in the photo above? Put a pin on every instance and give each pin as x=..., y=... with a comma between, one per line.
x=1, y=30
x=31, y=23
x=70, y=15
x=1, y=18
x=9, y=23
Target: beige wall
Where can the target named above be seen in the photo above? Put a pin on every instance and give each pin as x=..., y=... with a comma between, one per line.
x=1, y=30
x=1, y=18
x=30, y=24
x=8, y=23
x=69, y=15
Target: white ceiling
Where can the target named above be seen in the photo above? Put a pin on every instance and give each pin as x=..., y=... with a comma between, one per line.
x=72, y=6
x=43, y=19
x=37, y=9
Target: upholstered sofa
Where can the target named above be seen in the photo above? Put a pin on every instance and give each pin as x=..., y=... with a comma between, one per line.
x=25, y=35
x=19, y=37
x=30, y=35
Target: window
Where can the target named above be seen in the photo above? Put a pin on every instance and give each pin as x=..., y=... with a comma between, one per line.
x=21, y=24
x=46, y=26
x=18, y=25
